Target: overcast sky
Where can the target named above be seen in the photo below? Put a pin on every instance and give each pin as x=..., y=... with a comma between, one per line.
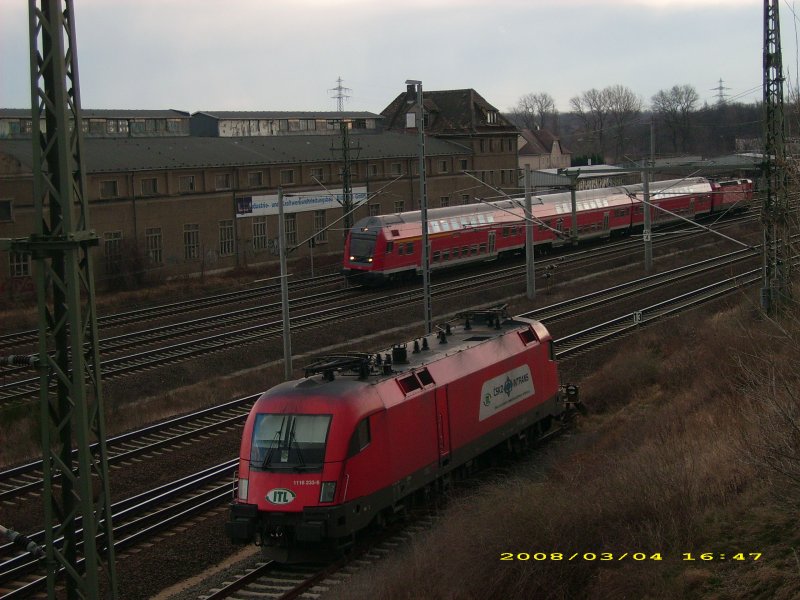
x=287, y=54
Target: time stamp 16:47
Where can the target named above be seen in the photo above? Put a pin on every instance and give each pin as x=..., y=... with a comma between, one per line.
x=635, y=556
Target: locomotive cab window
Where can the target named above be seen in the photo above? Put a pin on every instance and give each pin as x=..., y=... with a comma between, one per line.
x=389, y=247
x=362, y=247
x=361, y=438
x=289, y=442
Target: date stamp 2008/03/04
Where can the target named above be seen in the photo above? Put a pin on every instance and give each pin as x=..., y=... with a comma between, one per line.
x=636, y=556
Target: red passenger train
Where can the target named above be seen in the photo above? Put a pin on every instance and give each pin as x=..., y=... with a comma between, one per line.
x=387, y=247
x=351, y=443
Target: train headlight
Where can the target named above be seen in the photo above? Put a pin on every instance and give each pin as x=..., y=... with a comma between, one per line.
x=243, y=485
x=352, y=258
x=369, y=260
x=327, y=492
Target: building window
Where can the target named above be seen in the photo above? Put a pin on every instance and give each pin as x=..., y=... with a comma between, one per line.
x=173, y=125
x=186, y=183
x=374, y=210
x=191, y=241
x=372, y=170
x=491, y=117
x=510, y=144
x=397, y=169
x=111, y=126
x=122, y=125
x=462, y=164
x=226, y=237
x=443, y=167
x=149, y=186
x=154, y=245
x=320, y=223
x=112, y=243
x=317, y=174
x=290, y=224
x=464, y=198
x=399, y=206
x=287, y=176
x=259, y=233
x=108, y=189
x=255, y=178
x=19, y=264
x=444, y=201
x=222, y=182
x=483, y=145
x=5, y=211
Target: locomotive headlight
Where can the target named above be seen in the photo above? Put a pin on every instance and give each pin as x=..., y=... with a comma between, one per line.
x=243, y=485
x=369, y=259
x=352, y=258
x=328, y=491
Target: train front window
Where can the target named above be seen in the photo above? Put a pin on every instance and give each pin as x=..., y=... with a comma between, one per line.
x=362, y=247
x=289, y=442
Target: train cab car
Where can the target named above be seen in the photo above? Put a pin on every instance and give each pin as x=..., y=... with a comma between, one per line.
x=732, y=195
x=354, y=441
x=388, y=247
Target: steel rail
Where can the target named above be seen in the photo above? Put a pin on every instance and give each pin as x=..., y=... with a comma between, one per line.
x=173, y=308
x=593, y=299
x=580, y=341
x=26, y=478
x=138, y=518
x=181, y=307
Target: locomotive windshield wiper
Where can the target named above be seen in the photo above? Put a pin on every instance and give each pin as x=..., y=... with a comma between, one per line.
x=275, y=442
x=293, y=442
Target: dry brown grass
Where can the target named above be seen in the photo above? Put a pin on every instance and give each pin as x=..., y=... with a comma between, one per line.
x=661, y=468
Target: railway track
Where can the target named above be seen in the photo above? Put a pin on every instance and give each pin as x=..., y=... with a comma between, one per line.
x=15, y=391
x=29, y=338
x=27, y=478
x=142, y=315
x=145, y=515
x=135, y=520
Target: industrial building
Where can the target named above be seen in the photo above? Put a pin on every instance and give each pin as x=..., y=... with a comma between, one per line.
x=173, y=194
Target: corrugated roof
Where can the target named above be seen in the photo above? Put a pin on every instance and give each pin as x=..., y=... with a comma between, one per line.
x=158, y=153
x=285, y=114
x=105, y=113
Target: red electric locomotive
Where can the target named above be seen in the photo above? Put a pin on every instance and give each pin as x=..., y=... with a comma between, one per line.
x=388, y=247
x=733, y=195
x=353, y=441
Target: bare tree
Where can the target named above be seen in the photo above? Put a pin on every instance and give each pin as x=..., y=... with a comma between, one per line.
x=592, y=108
x=674, y=108
x=624, y=108
x=532, y=110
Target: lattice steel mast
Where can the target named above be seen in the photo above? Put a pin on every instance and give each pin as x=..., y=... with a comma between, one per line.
x=69, y=358
x=775, y=209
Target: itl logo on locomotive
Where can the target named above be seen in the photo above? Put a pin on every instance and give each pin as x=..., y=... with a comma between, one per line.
x=280, y=496
x=505, y=390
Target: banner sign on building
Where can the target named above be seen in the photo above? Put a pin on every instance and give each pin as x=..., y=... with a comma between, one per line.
x=256, y=206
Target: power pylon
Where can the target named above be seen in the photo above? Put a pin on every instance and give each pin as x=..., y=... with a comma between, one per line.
x=340, y=95
x=775, y=208
x=69, y=357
